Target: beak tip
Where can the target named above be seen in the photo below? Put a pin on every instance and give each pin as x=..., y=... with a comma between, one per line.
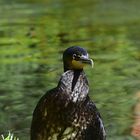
x=92, y=63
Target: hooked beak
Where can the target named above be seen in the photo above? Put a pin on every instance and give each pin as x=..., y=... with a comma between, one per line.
x=86, y=60
x=83, y=59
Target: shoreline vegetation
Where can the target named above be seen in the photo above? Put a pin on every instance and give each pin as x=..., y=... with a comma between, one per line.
x=10, y=136
x=136, y=126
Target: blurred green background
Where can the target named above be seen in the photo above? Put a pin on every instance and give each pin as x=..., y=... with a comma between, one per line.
x=33, y=35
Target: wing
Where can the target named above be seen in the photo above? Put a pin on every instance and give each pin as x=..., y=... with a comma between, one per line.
x=39, y=120
x=95, y=129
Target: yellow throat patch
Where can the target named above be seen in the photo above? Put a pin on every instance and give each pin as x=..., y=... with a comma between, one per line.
x=77, y=64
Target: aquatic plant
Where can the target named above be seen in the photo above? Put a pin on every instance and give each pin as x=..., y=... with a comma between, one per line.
x=9, y=137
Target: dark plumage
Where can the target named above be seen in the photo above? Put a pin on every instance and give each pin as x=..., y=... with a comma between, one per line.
x=66, y=112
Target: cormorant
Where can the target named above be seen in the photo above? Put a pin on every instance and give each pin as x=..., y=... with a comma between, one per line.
x=66, y=112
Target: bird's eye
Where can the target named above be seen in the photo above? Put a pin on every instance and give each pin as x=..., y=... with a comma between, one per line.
x=76, y=57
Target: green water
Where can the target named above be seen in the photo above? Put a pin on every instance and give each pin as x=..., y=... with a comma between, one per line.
x=33, y=35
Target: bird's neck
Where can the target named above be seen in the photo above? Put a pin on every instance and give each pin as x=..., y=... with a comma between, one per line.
x=74, y=84
x=76, y=75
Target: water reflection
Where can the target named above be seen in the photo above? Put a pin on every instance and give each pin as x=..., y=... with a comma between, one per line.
x=33, y=35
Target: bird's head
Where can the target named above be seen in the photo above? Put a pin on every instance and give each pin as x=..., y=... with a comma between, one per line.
x=75, y=58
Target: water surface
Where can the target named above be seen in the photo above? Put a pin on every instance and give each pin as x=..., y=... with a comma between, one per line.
x=33, y=35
